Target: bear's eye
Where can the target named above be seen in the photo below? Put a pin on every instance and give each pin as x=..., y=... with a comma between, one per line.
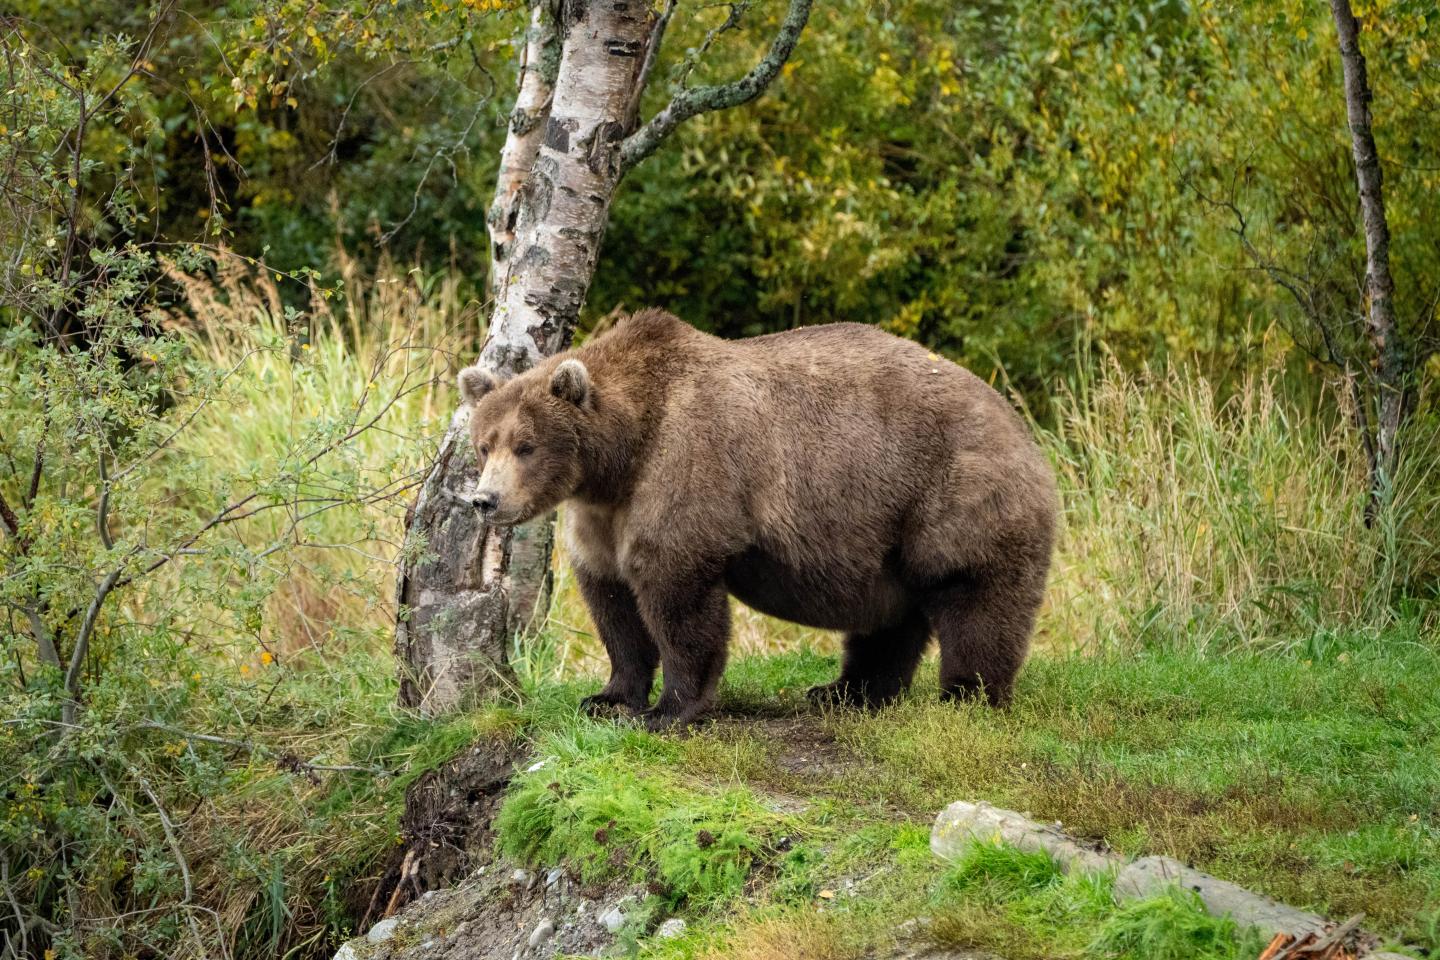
x=524, y=449
x=484, y=449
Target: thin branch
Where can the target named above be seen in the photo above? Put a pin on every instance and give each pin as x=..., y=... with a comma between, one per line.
x=647, y=66
x=330, y=156
x=284, y=760
x=7, y=516
x=102, y=506
x=180, y=861
x=82, y=643
x=692, y=102
x=43, y=640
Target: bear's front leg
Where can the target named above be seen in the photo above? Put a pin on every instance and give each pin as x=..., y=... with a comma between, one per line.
x=689, y=617
x=633, y=654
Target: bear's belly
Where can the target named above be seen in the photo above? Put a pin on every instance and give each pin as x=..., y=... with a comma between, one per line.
x=828, y=600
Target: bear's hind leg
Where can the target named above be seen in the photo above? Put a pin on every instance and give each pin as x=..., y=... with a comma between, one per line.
x=633, y=654
x=879, y=665
x=983, y=626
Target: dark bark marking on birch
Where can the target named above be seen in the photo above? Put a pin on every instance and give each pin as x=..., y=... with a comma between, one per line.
x=537, y=194
x=534, y=257
x=575, y=235
x=557, y=134
x=623, y=48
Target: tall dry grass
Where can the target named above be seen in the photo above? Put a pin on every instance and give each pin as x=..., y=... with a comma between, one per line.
x=1234, y=521
x=375, y=362
x=310, y=675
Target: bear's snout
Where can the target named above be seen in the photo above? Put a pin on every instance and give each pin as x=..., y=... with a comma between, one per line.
x=486, y=501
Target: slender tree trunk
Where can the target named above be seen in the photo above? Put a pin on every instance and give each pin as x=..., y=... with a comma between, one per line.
x=1390, y=356
x=464, y=589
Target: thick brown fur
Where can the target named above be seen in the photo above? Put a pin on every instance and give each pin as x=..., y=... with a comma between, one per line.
x=835, y=476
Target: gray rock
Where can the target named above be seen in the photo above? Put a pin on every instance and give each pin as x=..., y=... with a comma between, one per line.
x=347, y=951
x=1149, y=876
x=521, y=878
x=383, y=930
x=670, y=929
x=544, y=930
x=962, y=823
x=554, y=876
x=613, y=919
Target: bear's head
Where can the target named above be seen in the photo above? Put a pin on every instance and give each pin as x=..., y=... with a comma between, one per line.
x=526, y=433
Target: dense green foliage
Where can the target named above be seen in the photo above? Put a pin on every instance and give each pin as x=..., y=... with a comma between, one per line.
x=1002, y=180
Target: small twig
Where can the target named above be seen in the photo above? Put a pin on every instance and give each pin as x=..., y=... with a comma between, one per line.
x=102, y=506
x=286, y=760
x=408, y=867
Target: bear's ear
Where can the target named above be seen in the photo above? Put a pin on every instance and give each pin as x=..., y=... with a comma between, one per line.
x=475, y=382
x=571, y=381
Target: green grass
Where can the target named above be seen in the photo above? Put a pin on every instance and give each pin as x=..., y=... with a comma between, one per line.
x=1312, y=779
x=1021, y=905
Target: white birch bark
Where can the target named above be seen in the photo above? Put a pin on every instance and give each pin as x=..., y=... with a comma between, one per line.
x=527, y=127
x=464, y=589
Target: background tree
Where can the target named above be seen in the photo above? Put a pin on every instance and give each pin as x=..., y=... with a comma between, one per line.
x=465, y=588
x=1391, y=368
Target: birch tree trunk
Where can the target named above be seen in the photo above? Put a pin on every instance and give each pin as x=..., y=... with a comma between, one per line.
x=464, y=589
x=1390, y=355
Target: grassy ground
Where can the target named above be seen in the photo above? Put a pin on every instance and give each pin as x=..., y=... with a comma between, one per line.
x=1312, y=778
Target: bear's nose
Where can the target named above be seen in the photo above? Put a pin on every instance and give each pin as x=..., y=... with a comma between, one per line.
x=487, y=501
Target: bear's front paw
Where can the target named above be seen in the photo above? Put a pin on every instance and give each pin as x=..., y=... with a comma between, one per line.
x=606, y=703
x=841, y=693
x=662, y=718
x=850, y=693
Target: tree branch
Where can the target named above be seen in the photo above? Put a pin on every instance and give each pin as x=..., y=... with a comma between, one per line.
x=11, y=522
x=82, y=644
x=691, y=103
x=652, y=53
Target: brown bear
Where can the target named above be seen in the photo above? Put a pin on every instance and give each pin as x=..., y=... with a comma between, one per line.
x=835, y=476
